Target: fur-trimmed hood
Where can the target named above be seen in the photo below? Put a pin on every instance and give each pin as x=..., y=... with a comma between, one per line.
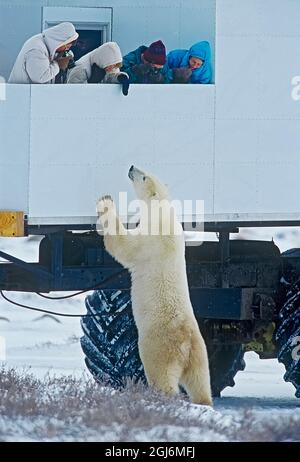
x=106, y=55
x=35, y=63
x=59, y=35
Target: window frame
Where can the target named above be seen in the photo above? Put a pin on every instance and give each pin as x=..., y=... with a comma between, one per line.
x=98, y=18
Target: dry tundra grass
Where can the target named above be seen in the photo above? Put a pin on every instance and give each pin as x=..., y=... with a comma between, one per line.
x=69, y=409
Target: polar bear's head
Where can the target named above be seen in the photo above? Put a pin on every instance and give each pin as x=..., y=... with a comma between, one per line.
x=147, y=187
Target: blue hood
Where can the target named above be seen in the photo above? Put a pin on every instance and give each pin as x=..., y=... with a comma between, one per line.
x=180, y=58
x=200, y=50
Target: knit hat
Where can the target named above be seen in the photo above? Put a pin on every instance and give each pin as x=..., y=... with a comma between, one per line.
x=156, y=53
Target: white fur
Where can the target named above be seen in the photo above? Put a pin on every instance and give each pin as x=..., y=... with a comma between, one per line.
x=171, y=347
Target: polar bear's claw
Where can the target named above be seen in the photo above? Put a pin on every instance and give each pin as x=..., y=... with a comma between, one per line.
x=104, y=203
x=107, y=197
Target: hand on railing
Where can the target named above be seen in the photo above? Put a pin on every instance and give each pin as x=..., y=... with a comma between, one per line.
x=123, y=79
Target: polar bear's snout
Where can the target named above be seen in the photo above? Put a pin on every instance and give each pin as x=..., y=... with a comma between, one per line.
x=131, y=173
x=135, y=174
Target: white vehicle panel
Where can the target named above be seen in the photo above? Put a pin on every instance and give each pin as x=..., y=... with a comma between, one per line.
x=234, y=144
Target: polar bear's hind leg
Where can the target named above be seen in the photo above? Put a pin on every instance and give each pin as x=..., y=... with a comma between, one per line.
x=195, y=378
x=164, y=378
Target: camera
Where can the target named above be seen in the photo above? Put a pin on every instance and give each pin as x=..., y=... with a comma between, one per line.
x=61, y=77
x=155, y=70
x=67, y=54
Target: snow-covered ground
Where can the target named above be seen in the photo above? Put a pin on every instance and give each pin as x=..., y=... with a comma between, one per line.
x=46, y=345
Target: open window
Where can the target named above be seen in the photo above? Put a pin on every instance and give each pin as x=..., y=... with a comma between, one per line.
x=92, y=24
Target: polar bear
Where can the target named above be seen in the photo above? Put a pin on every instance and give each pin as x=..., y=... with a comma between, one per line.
x=170, y=344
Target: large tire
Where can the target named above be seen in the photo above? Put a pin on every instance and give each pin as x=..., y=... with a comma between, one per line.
x=287, y=335
x=111, y=348
x=110, y=338
x=225, y=362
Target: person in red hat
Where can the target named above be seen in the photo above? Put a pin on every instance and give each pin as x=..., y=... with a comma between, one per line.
x=146, y=64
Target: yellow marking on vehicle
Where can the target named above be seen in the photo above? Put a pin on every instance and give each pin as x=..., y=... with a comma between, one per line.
x=11, y=223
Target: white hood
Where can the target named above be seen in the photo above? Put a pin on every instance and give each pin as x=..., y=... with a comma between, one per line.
x=106, y=55
x=59, y=35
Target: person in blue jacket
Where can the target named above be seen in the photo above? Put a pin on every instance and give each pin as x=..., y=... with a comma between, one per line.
x=146, y=64
x=190, y=66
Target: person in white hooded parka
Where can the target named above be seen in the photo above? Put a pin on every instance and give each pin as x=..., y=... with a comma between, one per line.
x=40, y=60
x=101, y=65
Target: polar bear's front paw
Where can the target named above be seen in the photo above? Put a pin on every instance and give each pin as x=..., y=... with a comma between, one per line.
x=104, y=204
